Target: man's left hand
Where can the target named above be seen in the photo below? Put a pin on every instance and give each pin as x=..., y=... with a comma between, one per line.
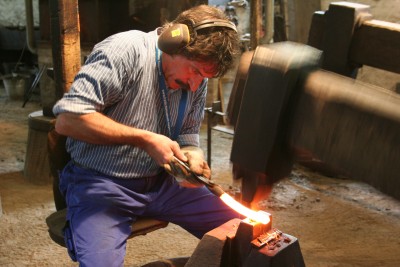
x=196, y=163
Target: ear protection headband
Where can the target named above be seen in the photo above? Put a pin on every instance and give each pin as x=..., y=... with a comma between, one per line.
x=181, y=35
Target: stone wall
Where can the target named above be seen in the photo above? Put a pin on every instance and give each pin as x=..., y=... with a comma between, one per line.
x=12, y=13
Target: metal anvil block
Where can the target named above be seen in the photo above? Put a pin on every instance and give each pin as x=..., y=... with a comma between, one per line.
x=246, y=243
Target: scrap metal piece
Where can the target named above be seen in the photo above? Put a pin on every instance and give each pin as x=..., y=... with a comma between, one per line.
x=271, y=237
x=286, y=254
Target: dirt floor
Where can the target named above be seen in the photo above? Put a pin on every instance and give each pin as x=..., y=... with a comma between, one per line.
x=338, y=222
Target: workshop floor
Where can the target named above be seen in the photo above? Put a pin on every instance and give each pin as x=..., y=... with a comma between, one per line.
x=338, y=222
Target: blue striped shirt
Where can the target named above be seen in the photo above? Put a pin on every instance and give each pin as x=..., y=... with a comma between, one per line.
x=120, y=80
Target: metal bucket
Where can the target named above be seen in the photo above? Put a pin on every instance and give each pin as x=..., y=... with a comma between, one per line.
x=15, y=87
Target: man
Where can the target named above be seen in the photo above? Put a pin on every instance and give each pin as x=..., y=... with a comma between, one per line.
x=130, y=110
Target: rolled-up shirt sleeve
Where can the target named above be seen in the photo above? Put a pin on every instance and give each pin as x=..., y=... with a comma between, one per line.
x=97, y=85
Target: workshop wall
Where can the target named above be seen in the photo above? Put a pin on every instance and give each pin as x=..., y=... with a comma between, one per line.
x=12, y=13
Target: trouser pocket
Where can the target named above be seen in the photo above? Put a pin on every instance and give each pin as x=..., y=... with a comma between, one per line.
x=69, y=241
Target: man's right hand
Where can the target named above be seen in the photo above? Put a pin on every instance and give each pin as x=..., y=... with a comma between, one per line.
x=184, y=177
x=162, y=149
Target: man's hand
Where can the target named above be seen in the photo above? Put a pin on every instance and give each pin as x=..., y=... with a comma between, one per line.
x=196, y=163
x=162, y=149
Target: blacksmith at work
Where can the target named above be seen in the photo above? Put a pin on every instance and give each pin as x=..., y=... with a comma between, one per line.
x=137, y=102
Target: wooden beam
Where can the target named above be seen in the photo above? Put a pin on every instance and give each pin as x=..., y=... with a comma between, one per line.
x=376, y=43
x=367, y=41
x=256, y=23
x=65, y=32
x=342, y=19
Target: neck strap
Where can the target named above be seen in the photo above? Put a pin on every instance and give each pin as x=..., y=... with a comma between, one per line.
x=164, y=99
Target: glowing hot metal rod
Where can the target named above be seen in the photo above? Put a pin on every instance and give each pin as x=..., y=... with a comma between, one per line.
x=258, y=216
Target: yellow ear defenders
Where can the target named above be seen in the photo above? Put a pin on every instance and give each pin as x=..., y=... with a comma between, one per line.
x=180, y=35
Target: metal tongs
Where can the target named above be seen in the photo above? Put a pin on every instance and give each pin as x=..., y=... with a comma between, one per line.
x=199, y=178
x=214, y=188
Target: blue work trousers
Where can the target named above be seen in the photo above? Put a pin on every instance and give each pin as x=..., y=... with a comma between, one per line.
x=101, y=210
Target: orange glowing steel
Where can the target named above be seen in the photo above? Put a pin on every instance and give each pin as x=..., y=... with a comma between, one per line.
x=261, y=217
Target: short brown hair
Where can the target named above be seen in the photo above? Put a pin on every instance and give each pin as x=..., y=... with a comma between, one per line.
x=216, y=45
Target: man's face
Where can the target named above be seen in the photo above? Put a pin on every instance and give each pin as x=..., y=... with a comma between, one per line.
x=180, y=72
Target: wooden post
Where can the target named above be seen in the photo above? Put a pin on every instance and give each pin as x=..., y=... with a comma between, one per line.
x=342, y=19
x=66, y=63
x=64, y=16
x=255, y=22
x=37, y=169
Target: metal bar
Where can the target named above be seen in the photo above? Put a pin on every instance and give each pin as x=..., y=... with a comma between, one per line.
x=34, y=84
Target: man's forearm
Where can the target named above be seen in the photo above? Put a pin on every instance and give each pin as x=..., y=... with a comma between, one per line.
x=96, y=128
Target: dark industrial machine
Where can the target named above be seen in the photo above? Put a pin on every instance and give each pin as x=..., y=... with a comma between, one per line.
x=303, y=100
